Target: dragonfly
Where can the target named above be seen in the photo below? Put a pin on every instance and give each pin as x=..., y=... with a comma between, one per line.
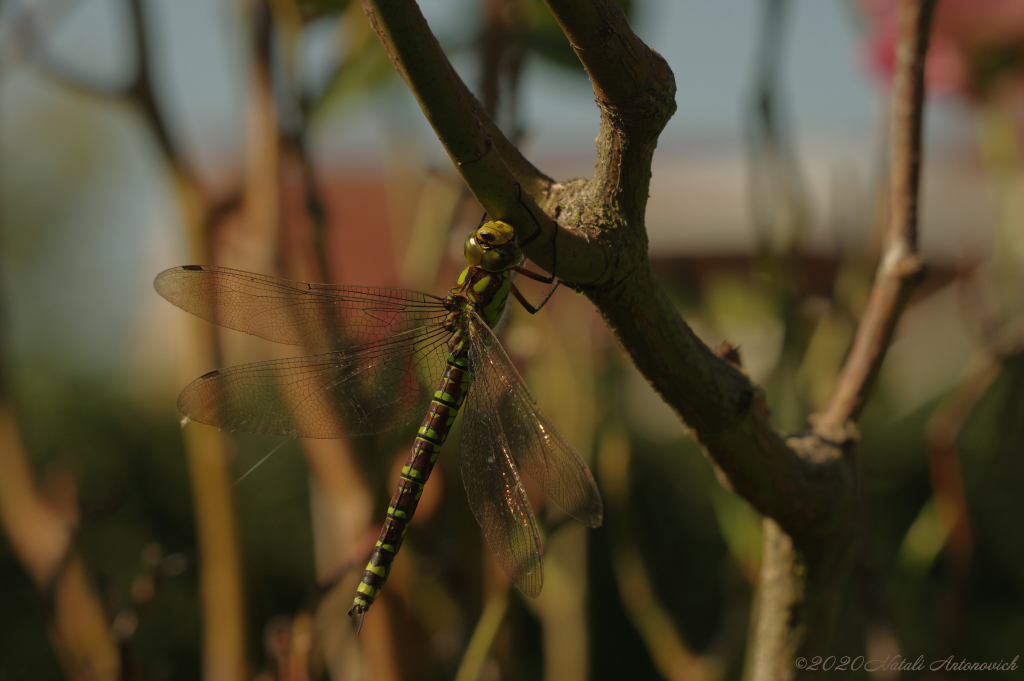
x=391, y=355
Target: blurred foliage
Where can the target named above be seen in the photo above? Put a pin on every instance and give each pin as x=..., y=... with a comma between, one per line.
x=364, y=66
x=134, y=491
x=315, y=9
x=547, y=40
x=677, y=550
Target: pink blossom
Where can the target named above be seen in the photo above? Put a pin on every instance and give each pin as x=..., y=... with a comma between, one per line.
x=977, y=46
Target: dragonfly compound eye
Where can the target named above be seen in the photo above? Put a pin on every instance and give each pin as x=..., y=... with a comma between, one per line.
x=473, y=250
x=493, y=247
x=500, y=258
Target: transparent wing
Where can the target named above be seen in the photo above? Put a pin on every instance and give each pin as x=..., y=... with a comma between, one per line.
x=297, y=313
x=535, y=444
x=496, y=495
x=367, y=390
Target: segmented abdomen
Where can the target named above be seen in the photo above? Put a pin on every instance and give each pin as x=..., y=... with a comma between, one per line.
x=448, y=398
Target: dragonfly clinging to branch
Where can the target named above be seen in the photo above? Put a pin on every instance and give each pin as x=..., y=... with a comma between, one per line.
x=392, y=355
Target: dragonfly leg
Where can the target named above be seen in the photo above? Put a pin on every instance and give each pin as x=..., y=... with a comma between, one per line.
x=536, y=232
x=542, y=278
x=554, y=247
x=533, y=309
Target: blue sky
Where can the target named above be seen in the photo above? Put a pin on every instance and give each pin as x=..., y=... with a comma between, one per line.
x=710, y=45
x=83, y=177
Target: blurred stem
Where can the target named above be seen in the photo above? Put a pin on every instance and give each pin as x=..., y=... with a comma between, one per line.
x=341, y=501
x=41, y=540
x=779, y=203
x=487, y=628
x=944, y=466
x=293, y=138
x=219, y=566
x=219, y=570
x=142, y=89
x=316, y=208
x=220, y=573
x=779, y=210
x=502, y=49
x=669, y=652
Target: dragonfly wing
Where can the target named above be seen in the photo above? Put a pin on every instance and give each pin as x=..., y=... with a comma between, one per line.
x=371, y=389
x=496, y=494
x=294, y=312
x=535, y=444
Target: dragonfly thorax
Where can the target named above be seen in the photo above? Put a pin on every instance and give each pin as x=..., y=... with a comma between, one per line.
x=480, y=291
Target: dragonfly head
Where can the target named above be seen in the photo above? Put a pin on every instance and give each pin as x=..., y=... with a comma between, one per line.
x=492, y=247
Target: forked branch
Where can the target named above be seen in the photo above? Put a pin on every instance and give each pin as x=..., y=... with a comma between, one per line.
x=804, y=484
x=603, y=243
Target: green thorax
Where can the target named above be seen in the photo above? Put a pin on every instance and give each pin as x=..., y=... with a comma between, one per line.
x=483, y=291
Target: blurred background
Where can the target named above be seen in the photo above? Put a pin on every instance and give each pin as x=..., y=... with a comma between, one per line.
x=274, y=136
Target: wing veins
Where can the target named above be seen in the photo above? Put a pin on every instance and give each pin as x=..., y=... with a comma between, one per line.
x=537, y=446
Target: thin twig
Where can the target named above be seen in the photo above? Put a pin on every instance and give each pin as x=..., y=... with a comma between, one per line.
x=901, y=268
x=945, y=468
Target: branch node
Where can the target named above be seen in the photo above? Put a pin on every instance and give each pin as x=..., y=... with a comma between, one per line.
x=834, y=434
x=730, y=353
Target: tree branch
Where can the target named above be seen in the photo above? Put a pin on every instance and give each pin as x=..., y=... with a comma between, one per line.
x=622, y=68
x=727, y=413
x=528, y=175
x=635, y=90
x=458, y=121
x=723, y=408
x=805, y=484
x=901, y=268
